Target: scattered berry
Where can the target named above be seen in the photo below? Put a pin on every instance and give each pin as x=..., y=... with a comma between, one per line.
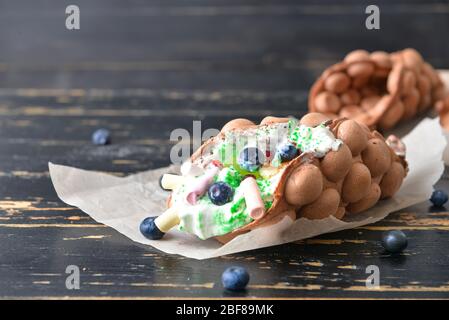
x=250, y=159
x=220, y=193
x=394, y=241
x=150, y=230
x=438, y=198
x=287, y=151
x=101, y=137
x=235, y=278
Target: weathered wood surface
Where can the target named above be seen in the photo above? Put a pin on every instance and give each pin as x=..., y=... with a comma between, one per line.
x=40, y=236
x=142, y=69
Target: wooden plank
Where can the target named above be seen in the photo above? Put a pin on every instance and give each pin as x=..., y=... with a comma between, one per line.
x=51, y=235
x=330, y=266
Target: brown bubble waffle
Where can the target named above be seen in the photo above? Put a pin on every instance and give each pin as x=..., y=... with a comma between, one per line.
x=365, y=169
x=377, y=89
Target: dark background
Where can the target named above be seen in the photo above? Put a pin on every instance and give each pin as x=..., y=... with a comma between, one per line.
x=144, y=68
x=204, y=44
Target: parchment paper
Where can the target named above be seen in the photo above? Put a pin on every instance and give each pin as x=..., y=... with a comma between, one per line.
x=122, y=203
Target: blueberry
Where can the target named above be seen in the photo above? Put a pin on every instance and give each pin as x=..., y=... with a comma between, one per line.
x=220, y=193
x=235, y=278
x=101, y=137
x=250, y=159
x=438, y=198
x=287, y=151
x=394, y=241
x=150, y=230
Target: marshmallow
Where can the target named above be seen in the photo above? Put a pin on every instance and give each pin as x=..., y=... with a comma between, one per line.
x=253, y=199
x=200, y=185
x=171, y=181
x=167, y=220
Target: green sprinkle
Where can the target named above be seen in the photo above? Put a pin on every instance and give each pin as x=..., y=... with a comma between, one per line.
x=268, y=204
x=238, y=205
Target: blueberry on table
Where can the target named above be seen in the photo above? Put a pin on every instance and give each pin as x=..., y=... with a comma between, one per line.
x=250, y=159
x=150, y=230
x=287, y=151
x=235, y=278
x=394, y=241
x=439, y=198
x=101, y=137
x=220, y=193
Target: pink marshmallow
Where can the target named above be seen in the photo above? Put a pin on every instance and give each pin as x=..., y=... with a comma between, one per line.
x=201, y=184
x=253, y=199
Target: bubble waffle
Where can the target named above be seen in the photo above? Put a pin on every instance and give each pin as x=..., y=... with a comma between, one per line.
x=341, y=168
x=377, y=89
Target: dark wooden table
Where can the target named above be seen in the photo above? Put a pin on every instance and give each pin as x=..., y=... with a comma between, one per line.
x=142, y=69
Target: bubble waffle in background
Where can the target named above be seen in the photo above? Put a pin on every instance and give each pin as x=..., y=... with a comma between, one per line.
x=365, y=168
x=377, y=89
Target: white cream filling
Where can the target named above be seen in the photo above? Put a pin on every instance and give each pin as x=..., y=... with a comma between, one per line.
x=317, y=140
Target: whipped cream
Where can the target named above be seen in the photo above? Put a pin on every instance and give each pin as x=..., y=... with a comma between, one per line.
x=317, y=140
x=206, y=220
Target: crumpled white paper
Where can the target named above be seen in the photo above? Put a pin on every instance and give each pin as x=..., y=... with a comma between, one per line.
x=122, y=203
x=446, y=151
